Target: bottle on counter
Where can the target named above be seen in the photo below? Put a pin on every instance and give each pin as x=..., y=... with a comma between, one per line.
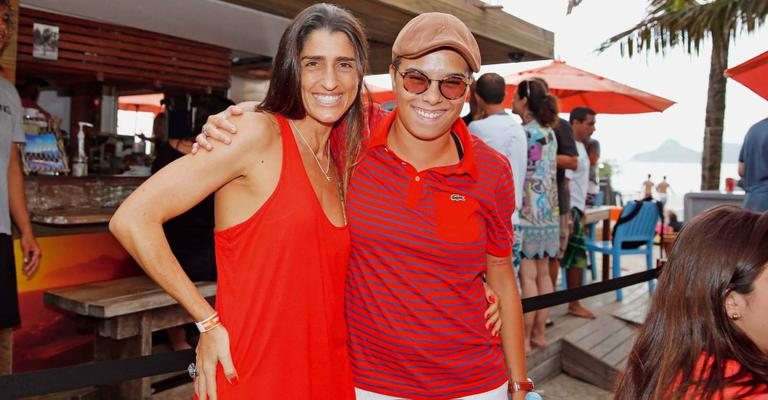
x=80, y=163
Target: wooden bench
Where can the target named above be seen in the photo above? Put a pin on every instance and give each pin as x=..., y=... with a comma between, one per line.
x=124, y=313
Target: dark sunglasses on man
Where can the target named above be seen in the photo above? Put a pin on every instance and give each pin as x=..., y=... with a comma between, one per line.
x=452, y=87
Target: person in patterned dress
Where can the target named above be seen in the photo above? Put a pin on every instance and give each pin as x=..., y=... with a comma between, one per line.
x=539, y=214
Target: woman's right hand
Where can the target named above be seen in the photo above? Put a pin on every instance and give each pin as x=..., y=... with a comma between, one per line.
x=212, y=349
x=218, y=128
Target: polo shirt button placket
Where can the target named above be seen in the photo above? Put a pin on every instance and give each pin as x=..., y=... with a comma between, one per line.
x=414, y=192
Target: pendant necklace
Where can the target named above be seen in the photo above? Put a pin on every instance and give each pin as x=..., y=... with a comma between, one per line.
x=317, y=160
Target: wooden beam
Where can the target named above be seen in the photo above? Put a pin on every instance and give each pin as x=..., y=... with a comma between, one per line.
x=490, y=25
x=502, y=37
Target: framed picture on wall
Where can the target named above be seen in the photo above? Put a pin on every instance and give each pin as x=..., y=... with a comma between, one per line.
x=45, y=42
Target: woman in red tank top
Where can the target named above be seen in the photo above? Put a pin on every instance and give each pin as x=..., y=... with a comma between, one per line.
x=282, y=244
x=706, y=335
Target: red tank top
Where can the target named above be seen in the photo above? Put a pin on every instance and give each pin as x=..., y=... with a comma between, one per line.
x=281, y=294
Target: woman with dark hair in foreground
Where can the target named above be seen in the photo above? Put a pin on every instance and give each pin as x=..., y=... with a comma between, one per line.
x=282, y=242
x=706, y=334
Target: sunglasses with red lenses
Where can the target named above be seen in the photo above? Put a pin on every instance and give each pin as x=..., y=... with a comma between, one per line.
x=452, y=87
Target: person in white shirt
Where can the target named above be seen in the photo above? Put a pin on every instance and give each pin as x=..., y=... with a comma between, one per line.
x=503, y=133
x=13, y=203
x=575, y=259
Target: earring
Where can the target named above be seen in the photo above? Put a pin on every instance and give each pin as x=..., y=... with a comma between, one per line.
x=735, y=316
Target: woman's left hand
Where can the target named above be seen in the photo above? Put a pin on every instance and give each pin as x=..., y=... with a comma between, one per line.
x=493, y=313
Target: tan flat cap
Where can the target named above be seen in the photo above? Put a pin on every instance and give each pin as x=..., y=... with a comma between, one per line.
x=431, y=31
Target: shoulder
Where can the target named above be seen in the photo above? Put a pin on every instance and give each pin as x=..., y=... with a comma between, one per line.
x=760, y=126
x=563, y=130
x=5, y=85
x=375, y=114
x=538, y=131
x=514, y=125
x=486, y=155
x=256, y=129
x=9, y=92
x=479, y=127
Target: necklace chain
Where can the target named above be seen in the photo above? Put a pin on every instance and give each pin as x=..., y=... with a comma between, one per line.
x=317, y=160
x=327, y=167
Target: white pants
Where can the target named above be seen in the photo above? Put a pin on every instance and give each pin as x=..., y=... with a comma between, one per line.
x=500, y=393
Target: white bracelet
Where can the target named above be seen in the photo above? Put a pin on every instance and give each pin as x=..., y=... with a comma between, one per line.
x=208, y=323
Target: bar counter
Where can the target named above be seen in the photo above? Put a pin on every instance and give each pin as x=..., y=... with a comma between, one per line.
x=69, y=218
x=63, y=200
x=80, y=216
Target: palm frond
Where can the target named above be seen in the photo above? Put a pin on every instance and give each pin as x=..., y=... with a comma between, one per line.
x=671, y=23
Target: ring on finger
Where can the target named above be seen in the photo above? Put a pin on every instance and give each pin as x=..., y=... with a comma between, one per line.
x=192, y=370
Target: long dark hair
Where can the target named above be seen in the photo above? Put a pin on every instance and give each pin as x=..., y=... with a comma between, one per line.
x=722, y=250
x=542, y=105
x=284, y=93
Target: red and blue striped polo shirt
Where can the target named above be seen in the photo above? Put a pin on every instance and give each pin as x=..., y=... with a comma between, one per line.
x=414, y=295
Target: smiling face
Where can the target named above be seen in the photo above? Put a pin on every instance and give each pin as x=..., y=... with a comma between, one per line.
x=429, y=115
x=329, y=76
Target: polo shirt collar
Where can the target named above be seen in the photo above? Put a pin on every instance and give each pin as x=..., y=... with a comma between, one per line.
x=467, y=165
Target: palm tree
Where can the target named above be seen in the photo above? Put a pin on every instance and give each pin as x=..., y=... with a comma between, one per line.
x=673, y=23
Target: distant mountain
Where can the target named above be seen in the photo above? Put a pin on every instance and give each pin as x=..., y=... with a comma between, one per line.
x=669, y=151
x=672, y=151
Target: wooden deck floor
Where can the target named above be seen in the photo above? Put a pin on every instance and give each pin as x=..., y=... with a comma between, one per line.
x=593, y=350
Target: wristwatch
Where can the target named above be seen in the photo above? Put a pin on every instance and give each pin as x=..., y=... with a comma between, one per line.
x=522, y=386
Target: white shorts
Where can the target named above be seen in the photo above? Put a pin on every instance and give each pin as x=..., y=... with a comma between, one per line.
x=500, y=393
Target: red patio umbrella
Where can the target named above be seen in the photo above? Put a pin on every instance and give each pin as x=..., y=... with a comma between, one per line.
x=752, y=74
x=379, y=94
x=141, y=102
x=575, y=88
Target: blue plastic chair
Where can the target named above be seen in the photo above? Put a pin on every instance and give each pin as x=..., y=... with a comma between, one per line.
x=599, y=199
x=640, y=228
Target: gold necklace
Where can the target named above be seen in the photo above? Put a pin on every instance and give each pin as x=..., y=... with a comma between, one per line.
x=317, y=160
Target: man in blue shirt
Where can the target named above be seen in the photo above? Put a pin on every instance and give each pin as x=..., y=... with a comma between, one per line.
x=753, y=167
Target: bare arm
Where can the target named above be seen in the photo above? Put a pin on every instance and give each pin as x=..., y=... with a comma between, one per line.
x=567, y=162
x=593, y=158
x=137, y=224
x=179, y=186
x=742, y=169
x=18, y=206
x=501, y=278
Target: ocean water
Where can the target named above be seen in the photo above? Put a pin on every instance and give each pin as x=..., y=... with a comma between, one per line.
x=628, y=177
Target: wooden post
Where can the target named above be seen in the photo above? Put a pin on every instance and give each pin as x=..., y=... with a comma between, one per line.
x=135, y=346
x=82, y=109
x=606, y=256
